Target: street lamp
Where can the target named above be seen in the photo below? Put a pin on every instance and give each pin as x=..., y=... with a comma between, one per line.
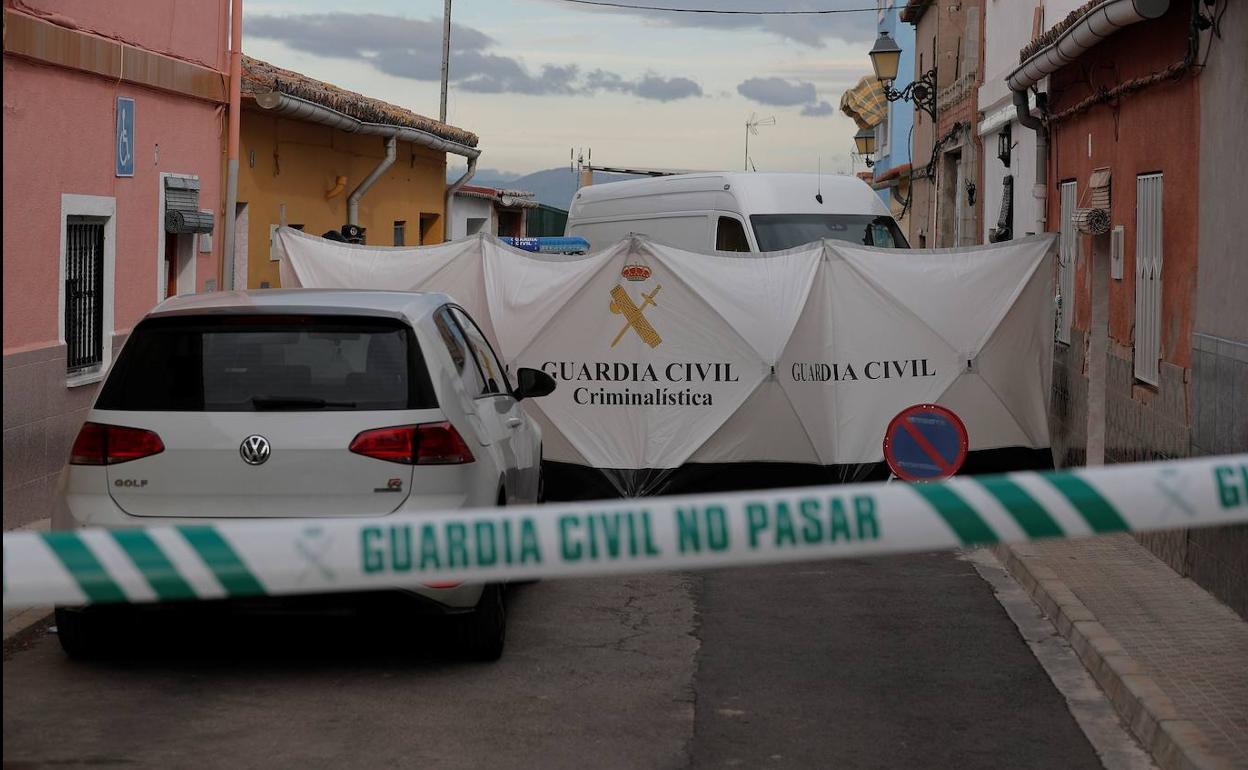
x=864, y=142
x=885, y=59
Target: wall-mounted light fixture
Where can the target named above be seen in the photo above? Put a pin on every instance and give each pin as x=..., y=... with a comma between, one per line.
x=885, y=59
x=1004, y=144
x=864, y=143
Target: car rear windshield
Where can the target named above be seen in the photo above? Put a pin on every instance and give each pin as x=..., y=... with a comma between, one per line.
x=268, y=363
x=776, y=232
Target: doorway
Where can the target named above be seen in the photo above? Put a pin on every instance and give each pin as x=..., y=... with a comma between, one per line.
x=171, y=265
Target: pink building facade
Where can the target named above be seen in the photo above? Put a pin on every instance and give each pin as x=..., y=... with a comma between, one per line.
x=114, y=126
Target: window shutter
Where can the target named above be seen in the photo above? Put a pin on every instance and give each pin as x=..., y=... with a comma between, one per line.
x=1148, y=264
x=182, y=214
x=1068, y=245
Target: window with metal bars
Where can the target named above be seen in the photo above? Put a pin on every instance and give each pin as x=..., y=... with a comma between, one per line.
x=84, y=294
x=1148, y=264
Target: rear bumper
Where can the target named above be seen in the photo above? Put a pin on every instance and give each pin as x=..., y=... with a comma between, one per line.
x=450, y=601
x=75, y=511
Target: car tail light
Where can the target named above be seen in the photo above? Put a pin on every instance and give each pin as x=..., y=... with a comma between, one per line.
x=444, y=584
x=99, y=444
x=431, y=443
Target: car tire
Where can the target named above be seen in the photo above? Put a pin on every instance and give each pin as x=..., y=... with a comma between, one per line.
x=482, y=633
x=87, y=633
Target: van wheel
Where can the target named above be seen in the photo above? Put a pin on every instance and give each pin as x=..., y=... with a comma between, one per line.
x=482, y=633
x=88, y=633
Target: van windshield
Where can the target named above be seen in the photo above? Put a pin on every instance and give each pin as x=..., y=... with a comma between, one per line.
x=776, y=232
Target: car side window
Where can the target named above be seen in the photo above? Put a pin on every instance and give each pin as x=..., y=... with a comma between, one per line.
x=458, y=347
x=495, y=375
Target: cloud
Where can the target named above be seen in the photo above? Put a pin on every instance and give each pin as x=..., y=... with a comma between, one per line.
x=666, y=89
x=412, y=48
x=777, y=91
x=651, y=86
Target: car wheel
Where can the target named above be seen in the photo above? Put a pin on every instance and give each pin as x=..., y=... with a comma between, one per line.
x=87, y=633
x=481, y=634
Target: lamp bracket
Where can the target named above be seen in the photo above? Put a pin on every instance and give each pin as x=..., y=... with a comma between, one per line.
x=921, y=92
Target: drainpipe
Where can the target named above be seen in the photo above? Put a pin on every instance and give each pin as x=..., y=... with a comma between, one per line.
x=353, y=200
x=450, y=196
x=1096, y=24
x=1041, y=190
x=302, y=109
x=231, y=173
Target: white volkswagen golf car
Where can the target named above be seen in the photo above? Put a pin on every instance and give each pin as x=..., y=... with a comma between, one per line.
x=304, y=403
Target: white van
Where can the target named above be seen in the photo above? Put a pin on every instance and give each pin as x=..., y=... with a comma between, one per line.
x=734, y=212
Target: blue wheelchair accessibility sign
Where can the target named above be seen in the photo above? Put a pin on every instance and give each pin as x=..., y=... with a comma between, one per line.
x=125, y=136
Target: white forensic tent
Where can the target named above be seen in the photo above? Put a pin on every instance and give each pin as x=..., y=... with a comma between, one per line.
x=665, y=357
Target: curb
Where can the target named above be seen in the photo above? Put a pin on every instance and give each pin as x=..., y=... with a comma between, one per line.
x=1175, y=743
x=18, y=623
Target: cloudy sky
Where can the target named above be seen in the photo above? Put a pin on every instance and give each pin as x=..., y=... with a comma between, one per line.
x=535, y=78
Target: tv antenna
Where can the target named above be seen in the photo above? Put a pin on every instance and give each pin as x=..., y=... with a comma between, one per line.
x=751, y=127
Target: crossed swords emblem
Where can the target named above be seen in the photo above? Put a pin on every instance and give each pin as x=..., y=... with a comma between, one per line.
x=622, y=304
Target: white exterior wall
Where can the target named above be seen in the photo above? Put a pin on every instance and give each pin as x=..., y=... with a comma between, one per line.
x=465, y=208
x=1007, y=30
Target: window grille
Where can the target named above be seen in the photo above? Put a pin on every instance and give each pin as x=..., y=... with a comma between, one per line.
x=1148, y=264
x=84, y=294
x=1067, y=252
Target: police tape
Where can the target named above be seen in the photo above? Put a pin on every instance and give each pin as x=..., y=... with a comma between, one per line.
x=304, y=556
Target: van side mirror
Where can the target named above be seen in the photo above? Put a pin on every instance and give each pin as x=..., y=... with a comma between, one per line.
x=533, y=383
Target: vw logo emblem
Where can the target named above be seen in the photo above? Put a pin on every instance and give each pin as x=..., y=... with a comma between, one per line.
x=254, y=450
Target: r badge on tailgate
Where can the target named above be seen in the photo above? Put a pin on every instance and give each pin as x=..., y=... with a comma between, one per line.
x=393, y=485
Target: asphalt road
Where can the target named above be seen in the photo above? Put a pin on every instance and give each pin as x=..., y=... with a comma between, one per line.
x=885, y=663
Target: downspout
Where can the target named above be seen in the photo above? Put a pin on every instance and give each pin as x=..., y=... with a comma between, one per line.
x=1091, y=28
x=1027, y=120
x=450, y=196
x=302, y=109
x=231, y=172
x=353, y=200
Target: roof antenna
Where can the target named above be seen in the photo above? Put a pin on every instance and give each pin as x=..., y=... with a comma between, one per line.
x=819, y=180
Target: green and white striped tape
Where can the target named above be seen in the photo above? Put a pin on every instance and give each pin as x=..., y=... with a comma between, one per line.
x=306, y=556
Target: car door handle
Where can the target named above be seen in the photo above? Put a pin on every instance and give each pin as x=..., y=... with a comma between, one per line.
x=515, y=422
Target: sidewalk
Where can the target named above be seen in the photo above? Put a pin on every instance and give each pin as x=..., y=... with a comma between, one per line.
x=17, y=621
x=1173, y=659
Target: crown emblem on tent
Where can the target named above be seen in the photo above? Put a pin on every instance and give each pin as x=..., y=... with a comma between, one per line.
x=635, y=273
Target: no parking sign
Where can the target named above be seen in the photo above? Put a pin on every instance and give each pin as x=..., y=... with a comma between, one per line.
x=925, y=442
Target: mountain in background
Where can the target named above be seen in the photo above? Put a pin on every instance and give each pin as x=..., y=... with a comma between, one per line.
x=553, y=186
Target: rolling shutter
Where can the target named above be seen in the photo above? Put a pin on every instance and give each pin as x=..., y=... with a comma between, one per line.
x=182, y=214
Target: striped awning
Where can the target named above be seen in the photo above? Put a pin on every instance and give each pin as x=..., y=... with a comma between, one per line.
x=865, y=102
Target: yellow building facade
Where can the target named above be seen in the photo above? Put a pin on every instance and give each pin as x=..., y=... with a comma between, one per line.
x=300, y=173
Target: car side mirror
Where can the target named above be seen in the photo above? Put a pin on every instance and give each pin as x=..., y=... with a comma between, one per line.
x=533, y=383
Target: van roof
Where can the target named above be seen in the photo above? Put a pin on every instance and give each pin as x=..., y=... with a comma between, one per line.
x=756, y=193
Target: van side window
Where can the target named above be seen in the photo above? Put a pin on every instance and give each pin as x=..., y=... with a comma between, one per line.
x=730, y=236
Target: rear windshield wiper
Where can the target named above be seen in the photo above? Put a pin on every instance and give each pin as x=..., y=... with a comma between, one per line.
x=297, y=402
